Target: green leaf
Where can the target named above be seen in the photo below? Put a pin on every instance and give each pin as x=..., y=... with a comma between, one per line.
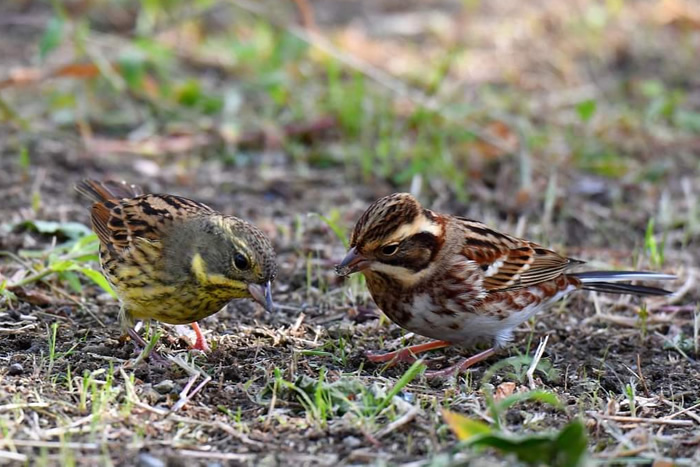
x=52, y=37
x=88, y=244
x=189, y=93
x=333, y=221
x=36, y=201
x=570, y=445
x=63, y=265
x=70, y=230
x=414, y=370
x=567, y=448
x=538, y=395
x=586, y=109
x=24, y=162
x=652, y=88
x=99, y=279
x=131, y=67
x=688, y=120
x=535, y=449
x=463, y=427
x=72, y=279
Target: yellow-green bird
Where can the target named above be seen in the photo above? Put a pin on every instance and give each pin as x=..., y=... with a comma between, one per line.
x=173, y=259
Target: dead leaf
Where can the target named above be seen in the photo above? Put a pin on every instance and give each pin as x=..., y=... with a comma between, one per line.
x=678, y=13
x=464, y=427
x=21, y=77
x=28, y=76
x=504, y=390
x=38, y=298
x=500, y=132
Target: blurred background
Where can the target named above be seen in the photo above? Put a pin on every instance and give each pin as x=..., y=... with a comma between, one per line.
x=496, y=101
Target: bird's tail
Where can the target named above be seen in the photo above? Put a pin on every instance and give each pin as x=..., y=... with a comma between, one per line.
x=609, y=282
x=108, y=190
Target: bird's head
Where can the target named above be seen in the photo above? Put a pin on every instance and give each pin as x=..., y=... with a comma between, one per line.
x=236, y=255
x=395, y=236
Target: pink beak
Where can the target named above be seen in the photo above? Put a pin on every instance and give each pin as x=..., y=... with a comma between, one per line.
x=262, y=294
x=352, y=263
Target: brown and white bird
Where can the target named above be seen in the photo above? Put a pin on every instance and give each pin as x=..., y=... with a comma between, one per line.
x=173, y=259
x=461, y=282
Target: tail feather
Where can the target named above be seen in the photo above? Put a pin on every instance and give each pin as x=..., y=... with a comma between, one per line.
x=607, y=281
x=108, y=190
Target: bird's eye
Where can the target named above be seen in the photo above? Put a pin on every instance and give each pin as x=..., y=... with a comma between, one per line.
x=390, y=249
x=240, y=261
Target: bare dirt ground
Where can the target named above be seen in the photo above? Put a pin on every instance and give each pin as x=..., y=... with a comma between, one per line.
x=293, y=386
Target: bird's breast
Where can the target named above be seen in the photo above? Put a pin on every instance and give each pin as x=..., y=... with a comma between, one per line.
x=442, y=307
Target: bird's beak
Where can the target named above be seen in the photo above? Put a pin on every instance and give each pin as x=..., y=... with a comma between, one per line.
x=262, y=294
x=353, y=262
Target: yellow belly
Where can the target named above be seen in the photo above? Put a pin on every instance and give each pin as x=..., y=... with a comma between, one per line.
x=148, y=291
x=174, y=305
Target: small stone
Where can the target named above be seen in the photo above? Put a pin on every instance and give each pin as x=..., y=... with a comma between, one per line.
x=105, y=298
x=148, y=460
x=165, y=387
x=15, y=369
x=352, y=441
x=150, y=395
x=343, y=329
x=99, y=349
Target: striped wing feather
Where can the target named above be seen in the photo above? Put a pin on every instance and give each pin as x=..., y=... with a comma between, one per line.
x=509, y=262
x=119, y=223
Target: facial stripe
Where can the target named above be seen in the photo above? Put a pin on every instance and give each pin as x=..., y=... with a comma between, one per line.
x=216, y=280
x=199, y=269
x=420, y=225
x=404, y=276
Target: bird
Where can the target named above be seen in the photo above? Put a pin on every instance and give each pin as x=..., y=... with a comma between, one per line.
x=175, y=260
x=461, y=282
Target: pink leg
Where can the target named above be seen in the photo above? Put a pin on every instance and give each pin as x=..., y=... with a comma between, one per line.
x=406, y=355
x=461, y=366
x=201, y=342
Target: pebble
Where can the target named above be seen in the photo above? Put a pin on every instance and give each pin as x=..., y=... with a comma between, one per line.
x=352, y=441
x=15, y=369
x=339, y=330
x=148, y=460
x=105, y=298
x=100, y=349
x=165, y=387
x=150, y=395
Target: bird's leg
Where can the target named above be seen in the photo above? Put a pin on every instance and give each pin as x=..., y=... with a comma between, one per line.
x=407, y=354
x=461, y=366
x=201, y=342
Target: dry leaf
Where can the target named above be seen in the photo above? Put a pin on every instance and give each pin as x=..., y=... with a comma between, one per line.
x=504, y=390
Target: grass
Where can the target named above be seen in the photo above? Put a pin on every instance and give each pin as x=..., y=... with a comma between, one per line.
x=586, y=146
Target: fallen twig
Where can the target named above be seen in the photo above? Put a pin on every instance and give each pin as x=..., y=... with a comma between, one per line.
x=536, y=361
x=398, y=423
x=653, y=421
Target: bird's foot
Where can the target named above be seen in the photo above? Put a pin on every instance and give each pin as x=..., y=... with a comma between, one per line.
x=461, y=366
x=392, y=358
x=200, y=343
x=407, y=355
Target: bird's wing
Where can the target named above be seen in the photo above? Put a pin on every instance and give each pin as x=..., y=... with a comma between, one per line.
x=509, y=262
x=99, y=191
x=120, y=223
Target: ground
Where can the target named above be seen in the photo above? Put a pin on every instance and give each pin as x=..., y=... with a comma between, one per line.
x=577, y=126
